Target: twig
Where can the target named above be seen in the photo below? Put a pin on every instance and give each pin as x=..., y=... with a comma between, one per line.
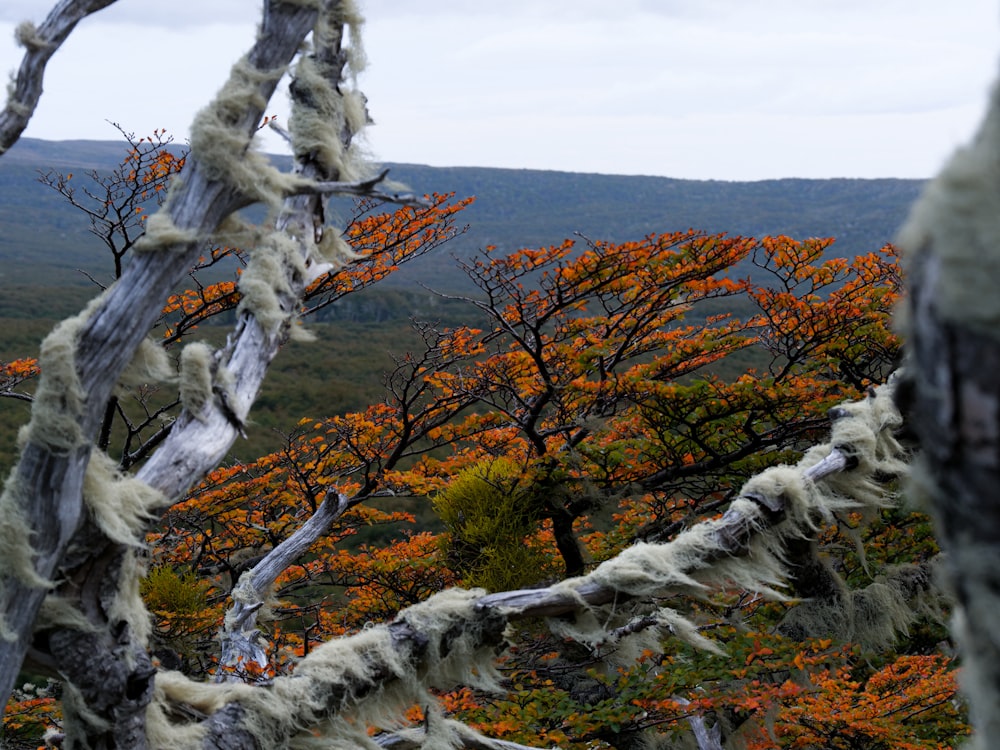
x=365, y=188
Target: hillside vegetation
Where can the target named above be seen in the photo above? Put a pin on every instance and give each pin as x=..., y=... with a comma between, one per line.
x=50, y=263
x=44, y=240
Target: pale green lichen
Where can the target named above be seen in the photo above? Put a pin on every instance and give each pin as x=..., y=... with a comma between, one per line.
x=348, y=13
x=120, y=505
x=691, y=563
x=326, y=114
x=160, y=232
x=298, y=332
x=58, y=612
x=127, y=605
x=872, y=617
x=334, y=249
x=318, y=130
x=955, y=222
x=150, y=365
x=16, y=107
x=224, y=150
x=26, y=35
x=169, y=731
x=196, y=379
x=59, y=398
x=266, y=284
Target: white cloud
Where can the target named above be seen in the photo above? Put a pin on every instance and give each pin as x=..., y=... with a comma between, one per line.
x=709, y=88
x=176, y=14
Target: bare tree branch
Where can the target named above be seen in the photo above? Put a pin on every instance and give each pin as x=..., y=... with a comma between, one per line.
x=84, y=358
x=450, y=638
x=240, y=639
x=41, y=44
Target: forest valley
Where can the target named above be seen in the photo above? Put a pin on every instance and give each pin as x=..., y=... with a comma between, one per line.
x=645, y=501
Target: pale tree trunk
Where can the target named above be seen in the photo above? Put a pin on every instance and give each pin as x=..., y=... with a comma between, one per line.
x=87, y=634
x=952, y=321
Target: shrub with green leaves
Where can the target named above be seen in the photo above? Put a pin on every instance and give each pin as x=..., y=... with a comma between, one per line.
x=490, y=513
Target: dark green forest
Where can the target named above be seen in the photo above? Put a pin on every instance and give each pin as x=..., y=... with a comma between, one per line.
x=51, y=264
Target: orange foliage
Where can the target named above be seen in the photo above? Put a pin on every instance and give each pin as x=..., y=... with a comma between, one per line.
x=635, y=385
x=14, y=374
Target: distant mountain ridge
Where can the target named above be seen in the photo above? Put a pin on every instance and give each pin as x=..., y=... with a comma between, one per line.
x=44, y=240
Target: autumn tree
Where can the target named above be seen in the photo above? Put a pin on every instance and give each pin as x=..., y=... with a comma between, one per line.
x=586, y=387
x=225, y=525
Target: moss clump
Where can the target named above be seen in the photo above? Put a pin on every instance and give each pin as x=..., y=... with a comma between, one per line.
x=489, y=513
x=166, y=590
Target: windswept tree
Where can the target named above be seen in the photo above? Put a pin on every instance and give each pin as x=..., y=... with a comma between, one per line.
x=578, y=392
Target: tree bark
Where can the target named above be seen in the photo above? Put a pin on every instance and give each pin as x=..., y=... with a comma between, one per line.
x=955, y=411
x=49, y=478
x=952, y=398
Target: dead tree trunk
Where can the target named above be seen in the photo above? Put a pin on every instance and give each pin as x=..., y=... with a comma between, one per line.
x=68, y=576
x=953, y=397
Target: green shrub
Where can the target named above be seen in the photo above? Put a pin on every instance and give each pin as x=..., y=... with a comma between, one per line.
x=489, y=513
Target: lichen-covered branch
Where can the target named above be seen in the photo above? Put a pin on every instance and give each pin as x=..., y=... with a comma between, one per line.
x=40, y=44
x=952, y=244
x=48, y=509
x=240, y=639
x=283, y=262
x=348, y=684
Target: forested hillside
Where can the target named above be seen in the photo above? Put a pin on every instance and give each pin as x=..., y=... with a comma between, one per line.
x=513, y=209
x=50, y=263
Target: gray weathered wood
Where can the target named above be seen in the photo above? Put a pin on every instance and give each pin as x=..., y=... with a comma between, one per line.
x=240, y=639
x=27, y=90
x=50, y=477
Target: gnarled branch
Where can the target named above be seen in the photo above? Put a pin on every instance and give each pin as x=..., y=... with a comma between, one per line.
x=41, y=44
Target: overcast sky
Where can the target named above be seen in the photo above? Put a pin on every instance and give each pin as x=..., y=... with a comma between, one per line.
x=707, y=89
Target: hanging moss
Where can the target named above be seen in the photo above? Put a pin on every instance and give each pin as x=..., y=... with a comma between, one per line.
x=121, y=505
x=59, y=398
x=224, y=150
x=27, y=36
x=196, y=378
x=265, y=285
x=321, y=112
x=160, y=232
x=150, y=365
